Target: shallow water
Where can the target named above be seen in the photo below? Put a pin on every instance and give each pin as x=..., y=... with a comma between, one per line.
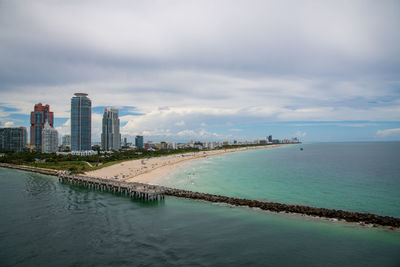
x=362, y=177
x=44, y=222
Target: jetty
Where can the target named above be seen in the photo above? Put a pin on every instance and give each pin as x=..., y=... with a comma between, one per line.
x=147, y=192
x=134, y=190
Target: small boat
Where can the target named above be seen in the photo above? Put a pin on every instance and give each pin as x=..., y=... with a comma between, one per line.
x=301, y=148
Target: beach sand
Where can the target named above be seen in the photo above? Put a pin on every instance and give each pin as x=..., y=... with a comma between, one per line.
x=152, y=169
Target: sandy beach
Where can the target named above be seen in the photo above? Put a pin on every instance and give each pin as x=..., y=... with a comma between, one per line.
x=151, y=169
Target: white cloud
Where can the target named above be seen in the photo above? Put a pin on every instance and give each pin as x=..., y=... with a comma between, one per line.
x=228, y=63
x=235, y=130
x=202, y=135
x=388, y=132
x=9, y=124
x=97, y=120
x=65, y=128
x=300, y=134
x=341, y=124
x=180, y=123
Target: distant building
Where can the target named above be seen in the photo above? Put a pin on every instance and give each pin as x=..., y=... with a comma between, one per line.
x=66, y=140
x=198, y=145
x=270, y=139
x=13, y=139
x=172, y=145
x=39, y=116
x=79, y=153
x=81, y=122
x=49, y=139
x=125, y=142
x=139, y=141
x=163, y=145
x=110, y=137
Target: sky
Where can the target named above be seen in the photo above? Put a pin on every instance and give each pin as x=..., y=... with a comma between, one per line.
x=324, y=71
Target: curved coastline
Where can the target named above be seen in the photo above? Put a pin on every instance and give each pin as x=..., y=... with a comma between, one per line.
x=354, y=217
x=154, y=169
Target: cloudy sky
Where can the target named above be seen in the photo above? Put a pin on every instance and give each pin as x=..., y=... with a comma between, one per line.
x=208, y=70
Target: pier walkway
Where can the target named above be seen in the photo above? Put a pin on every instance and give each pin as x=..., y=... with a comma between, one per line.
x=149, y=192
x=134, y=190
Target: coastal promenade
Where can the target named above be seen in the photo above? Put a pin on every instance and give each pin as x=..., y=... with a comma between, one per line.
x=156, y=193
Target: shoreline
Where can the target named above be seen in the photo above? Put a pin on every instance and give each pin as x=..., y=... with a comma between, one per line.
x=155, y=169
x=362, y=219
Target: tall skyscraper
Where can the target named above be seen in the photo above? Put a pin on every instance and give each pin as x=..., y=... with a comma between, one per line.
x=81, y=122
x=13, y=139
x=110, y=137
x=66, y=140
x=49, y=139
x=139, y=141
x=39, y=116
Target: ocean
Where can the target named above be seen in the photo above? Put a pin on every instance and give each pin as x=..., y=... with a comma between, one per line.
x=44, y=222
x=363, y=177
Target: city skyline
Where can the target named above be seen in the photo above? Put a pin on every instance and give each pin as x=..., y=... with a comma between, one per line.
x=326, y=72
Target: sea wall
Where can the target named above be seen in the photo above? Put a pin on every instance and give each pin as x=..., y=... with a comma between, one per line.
x=30, y=169
x=348, y=216
x=364, y=218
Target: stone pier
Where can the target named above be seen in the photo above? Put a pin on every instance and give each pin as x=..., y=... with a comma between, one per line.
x=148, y=192
x=134, y=190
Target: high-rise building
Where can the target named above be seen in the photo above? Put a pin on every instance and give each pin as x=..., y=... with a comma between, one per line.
x=139, y=141
x=49, y=139
x=270, y=139
x=163, y=145
x=66, y=140
x=110, y=137
x=39, y=116
x=13, y=139
x=81, y=122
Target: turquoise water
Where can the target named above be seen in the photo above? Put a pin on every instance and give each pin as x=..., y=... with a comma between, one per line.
x=362, y=177
x=44, y=222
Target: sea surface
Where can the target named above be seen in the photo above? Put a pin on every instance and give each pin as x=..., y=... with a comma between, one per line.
x=362, y=177
x=43, y=222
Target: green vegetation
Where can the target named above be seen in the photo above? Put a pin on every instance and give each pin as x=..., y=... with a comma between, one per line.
x=81, y=164
x=72, y=166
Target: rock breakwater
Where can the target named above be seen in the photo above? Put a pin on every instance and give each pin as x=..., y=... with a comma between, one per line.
x=358, y=217
x=365, y=218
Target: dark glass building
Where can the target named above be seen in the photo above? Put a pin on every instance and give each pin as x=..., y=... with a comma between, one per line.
x=39, y=116
x=81, y=122
x=139, y=141
x=13, y=139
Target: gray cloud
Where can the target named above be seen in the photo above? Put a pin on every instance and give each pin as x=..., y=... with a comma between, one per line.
x=212, y=61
